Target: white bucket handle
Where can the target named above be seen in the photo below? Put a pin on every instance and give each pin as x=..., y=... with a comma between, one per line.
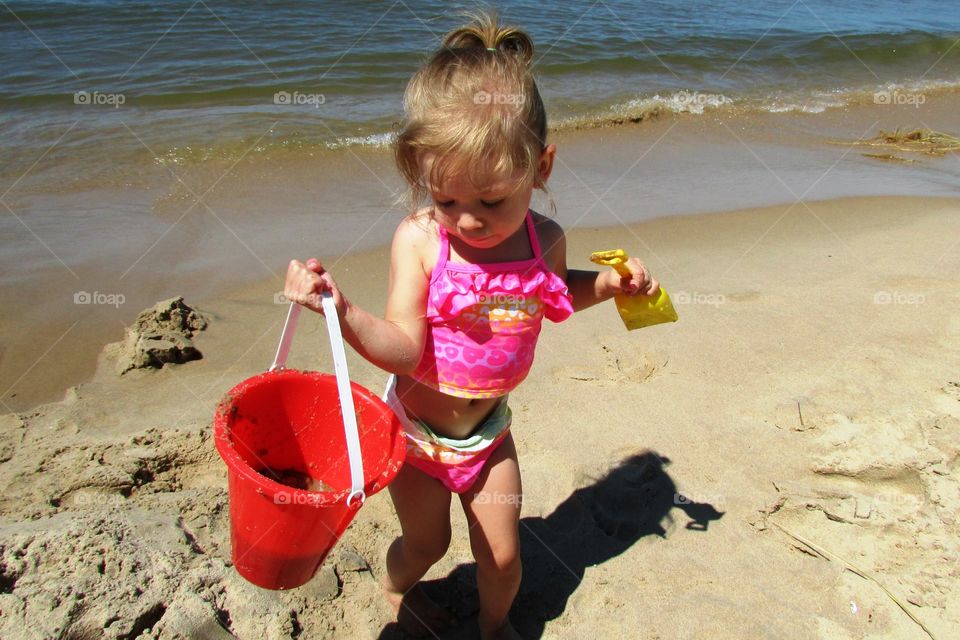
x=343, y=385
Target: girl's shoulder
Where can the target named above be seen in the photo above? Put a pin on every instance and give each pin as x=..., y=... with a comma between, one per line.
x=547, y=228
x=552, y=240
x=418, y=234
x=419, y=229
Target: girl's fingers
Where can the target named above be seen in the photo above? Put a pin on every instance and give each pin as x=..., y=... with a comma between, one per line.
x=640, y=281
x=653, y=287
x=641, y=278
x=637, y=280
x=305, y=281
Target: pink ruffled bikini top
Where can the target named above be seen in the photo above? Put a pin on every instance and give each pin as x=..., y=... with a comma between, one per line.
x=483, y=321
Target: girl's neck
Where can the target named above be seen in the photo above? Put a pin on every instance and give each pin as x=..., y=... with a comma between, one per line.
x=514, y=249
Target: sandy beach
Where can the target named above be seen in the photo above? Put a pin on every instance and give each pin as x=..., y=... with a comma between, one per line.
x=780, y=463
x=783, y=462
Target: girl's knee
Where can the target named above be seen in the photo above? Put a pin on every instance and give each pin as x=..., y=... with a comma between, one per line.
x=503, y=558
x=427, y=548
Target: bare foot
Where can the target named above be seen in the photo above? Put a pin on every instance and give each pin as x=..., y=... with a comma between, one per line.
x=417, y=614
x=505, y=632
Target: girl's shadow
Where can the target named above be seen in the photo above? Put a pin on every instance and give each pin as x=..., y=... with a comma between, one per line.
x=596, y=523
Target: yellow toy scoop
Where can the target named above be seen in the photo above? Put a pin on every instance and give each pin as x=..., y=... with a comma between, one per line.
x=636, y=311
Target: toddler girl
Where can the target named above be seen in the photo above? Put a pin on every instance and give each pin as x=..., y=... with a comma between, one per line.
x=472, y=275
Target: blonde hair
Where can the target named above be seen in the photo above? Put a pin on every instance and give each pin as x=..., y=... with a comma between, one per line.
x=474, y=106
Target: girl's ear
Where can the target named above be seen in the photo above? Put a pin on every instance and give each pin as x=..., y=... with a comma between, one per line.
x=545, y=166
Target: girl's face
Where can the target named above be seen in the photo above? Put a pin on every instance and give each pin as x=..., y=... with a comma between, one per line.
x=483, y=217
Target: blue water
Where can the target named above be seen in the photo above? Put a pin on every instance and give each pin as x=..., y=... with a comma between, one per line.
x=196, y=78
x=171, y=52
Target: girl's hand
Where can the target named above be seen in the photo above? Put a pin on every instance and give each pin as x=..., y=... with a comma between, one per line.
x=305, y=283
x=640, y=282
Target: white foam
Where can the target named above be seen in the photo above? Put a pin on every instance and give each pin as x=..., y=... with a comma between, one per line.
x=372, y=140
x=914, y=92
x=680, y=102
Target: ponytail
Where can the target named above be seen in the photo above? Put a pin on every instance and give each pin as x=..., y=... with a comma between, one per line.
x=485, y=32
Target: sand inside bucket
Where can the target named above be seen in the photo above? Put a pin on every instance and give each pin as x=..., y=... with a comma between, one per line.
x=295, y=479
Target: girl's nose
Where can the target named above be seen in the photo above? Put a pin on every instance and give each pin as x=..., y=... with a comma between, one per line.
x=468, y=223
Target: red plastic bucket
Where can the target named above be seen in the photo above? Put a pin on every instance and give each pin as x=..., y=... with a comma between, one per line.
x=291, y=420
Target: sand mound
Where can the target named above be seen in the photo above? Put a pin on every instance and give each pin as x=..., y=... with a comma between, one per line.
x=160, y=335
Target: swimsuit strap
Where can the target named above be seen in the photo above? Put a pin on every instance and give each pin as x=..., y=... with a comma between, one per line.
x=532, y=233
x=444, y=253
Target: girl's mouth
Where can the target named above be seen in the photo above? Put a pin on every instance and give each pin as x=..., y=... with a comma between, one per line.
x=478, y=239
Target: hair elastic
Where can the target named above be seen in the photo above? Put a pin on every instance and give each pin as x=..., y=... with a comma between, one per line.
x=491, y=49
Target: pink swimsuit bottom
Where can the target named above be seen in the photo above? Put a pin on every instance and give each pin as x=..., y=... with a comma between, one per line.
x=455, y=463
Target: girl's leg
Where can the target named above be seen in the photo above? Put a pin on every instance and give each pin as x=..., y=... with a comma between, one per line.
x=423, y=507
x=492, y=507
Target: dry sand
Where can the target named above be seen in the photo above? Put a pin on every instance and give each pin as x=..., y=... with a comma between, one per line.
x=811, y=386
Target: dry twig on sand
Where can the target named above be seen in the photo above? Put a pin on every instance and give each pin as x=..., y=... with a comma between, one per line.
x=823, y=553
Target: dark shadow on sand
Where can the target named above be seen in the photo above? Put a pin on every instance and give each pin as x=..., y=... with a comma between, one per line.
x=596, y=523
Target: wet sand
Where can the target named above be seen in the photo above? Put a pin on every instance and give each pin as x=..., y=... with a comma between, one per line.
x=147, y=238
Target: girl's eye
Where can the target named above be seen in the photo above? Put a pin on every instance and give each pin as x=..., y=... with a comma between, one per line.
x=491, y=205
x=445, y=203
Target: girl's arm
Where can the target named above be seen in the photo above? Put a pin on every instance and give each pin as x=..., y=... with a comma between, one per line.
x=588, y=287
x=393, y=343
